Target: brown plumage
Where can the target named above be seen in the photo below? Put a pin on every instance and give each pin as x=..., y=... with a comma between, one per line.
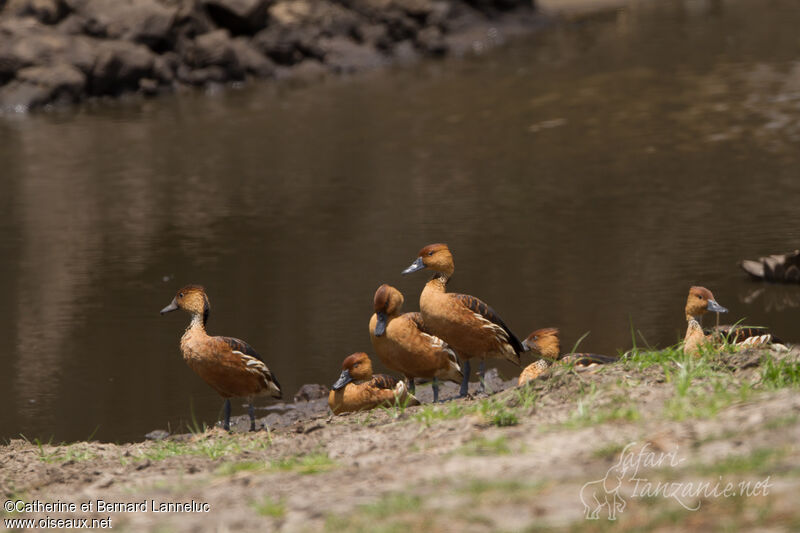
x=545, y=342
x=402, y=344
x=230, y=366
x=357, y=389
x=468, y=325
x=783, y=268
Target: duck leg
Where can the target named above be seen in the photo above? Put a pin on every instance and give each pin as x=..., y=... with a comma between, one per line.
x=482, y=374
x=252, y=412
x=411, y=385
x=226, y=425
x=435, y=390
x=464, y=382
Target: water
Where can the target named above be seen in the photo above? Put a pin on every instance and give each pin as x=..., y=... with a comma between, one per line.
x=584, y=178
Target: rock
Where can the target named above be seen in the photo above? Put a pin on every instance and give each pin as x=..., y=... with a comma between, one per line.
x=345, y=55
x=63, y=82
x=157, y=434
x=251, y=60
x=25, y=43
x=119, y=67
x=431, y=42
x=215, y=49
x=164, y=67
x=311, y=391
x=45, y=11
x=146, y=22
x=493, y=381
x=288, y=45
x=72, y=25
x=238, y=16
x=201, y=76
x=148, y=86
x=20, y=97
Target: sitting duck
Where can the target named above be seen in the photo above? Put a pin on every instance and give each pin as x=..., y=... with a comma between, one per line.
x=358, y=390
x=469, y=326
x=402, y=344
x=230, y=366
x=545, y=343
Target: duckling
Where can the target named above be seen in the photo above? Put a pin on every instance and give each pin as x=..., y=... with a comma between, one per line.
x=778, y=267
x=469, y=326
x=403, y=346
x=358, y=390
x=699, y=302
x=230, y=366
x=545, y=342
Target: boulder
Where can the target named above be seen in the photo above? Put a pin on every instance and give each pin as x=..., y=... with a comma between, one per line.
x=37, y=86
x=238, y=16
x=431, y=42
x=251, y=60
x=45, y=11
x=146, y=22
x=214, y=49
x=288, y=45
x=25, y=42
x=345, y=55
x=311, y=391
x=119, y=67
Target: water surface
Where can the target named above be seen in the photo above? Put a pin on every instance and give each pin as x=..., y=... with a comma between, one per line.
x=584, y=178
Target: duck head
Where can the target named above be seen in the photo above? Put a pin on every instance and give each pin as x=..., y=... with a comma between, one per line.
x=436, y=257
x=700, y=302
x=388, y=303
x=544, y=342
x=356, y=367
x=191, y=298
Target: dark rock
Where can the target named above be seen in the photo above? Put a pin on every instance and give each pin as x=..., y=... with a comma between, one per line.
x=215, y=49
x=311, y=391
x=72, y=25
x=238, y=16
x=164, y=67
x=493, y=381
x=374, y=34
x=45, y=11
x=251, y=60
x=25, y=42
x=405, y=53
x=201, y=76
x=148, y=86
x=20, y=97
x=288, y=45
x=156, y=434
x=119, y=67
x=146, y=22
x=345, y=55
x=431, y=42
x=327, y=16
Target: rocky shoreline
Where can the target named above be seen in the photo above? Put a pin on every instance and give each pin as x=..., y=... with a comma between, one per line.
x=65, y=51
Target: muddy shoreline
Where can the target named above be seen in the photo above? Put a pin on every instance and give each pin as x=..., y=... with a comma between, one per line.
x=65, y=51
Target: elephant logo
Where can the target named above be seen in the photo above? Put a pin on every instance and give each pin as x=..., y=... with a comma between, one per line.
x=605, y=492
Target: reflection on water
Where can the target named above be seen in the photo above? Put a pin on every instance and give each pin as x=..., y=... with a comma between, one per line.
x=584, y=179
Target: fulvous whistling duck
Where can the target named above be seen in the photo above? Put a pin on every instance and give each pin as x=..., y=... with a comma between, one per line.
x=699, y=302
x=403, y=346
x=468, y=325
x=545, y=342
x=230, y=366
x=779, y=267
x=358, y=390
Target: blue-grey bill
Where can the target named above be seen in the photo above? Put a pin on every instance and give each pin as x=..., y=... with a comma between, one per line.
x=173, y=305
x=416, y=265
x=380, y=325
x=344, y=379
x=715, y=307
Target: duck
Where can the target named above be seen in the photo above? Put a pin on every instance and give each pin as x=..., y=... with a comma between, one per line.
x=468, y=325
x=783, y=268
x=401, y=343
x=357, y=389
x=545, y=343
x=700, y=302
x=228, y=365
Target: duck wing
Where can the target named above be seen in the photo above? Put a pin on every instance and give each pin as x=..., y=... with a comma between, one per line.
x=736, y=334
x=776, y=267
x=482, y=309
x=584, y=359
x=382, y=381
x=252, y=358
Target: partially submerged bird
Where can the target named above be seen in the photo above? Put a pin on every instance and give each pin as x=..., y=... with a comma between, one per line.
x=472, y=328
x=545, y=343
x=230, y=366
x=402, y=344
x=777, y=267
x=358, y=390
x=700, y=302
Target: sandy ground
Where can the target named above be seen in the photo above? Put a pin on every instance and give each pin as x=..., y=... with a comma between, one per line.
x=515, y=460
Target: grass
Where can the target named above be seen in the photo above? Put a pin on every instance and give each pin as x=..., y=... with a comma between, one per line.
x=270, y=507
x=590, y=411
x=759, y=461
x=482, y=446
x=779, y=374
x=211, y=447
x=305, y=464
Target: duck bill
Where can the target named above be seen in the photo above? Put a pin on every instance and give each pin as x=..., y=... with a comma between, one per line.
x=380, y=325
x=416, y=265
x=715, y=307
x=173, y=305
x=344, y=379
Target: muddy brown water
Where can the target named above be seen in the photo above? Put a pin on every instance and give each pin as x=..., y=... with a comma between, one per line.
x=584, y=178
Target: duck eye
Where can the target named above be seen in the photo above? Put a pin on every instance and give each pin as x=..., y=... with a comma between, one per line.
x=699, y=297
x=180, y=295
x=430, y=253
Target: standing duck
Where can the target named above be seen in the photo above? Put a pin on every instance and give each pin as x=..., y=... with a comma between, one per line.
x=230, y=366
x=358, y=390
x=545, y=342
x=699, y=302
x=403, y=346
x=468, y=325
x=777, y=267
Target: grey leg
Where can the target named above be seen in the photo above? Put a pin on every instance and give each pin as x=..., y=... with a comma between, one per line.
x=435, y=390
x=481, y=374
x=252, y=412
x=464, y=382
x=412, y=388
x=226, y=425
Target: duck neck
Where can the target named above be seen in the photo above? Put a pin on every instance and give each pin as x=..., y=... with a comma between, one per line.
x=198, y=323
x=438, y=282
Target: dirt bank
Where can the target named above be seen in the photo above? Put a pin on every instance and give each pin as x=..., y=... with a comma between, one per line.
x=63, y=51
x=517, y=460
